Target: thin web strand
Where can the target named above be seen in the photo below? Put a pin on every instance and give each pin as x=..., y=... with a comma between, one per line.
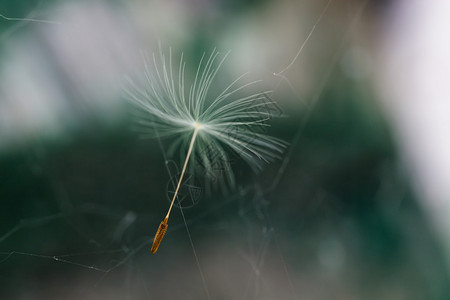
x=30, y=20
x=316, y=97
x=306, y=40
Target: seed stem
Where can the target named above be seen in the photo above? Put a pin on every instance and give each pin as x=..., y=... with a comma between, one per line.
x=194, y=135
x=163, y=226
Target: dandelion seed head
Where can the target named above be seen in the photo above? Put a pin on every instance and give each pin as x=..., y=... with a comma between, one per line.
x=173, y=105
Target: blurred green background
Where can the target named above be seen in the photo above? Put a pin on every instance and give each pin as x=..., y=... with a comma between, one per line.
x=82, y=194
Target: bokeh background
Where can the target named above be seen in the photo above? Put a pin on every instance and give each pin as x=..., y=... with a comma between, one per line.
x=358, y=207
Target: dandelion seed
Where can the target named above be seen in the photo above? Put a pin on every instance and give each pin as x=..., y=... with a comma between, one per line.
x=218, y=123
x=159, y=235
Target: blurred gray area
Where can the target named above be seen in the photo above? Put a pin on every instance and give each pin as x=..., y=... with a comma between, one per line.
x=343, y=215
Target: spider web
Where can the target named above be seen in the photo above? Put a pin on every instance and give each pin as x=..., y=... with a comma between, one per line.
x=237, y=246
